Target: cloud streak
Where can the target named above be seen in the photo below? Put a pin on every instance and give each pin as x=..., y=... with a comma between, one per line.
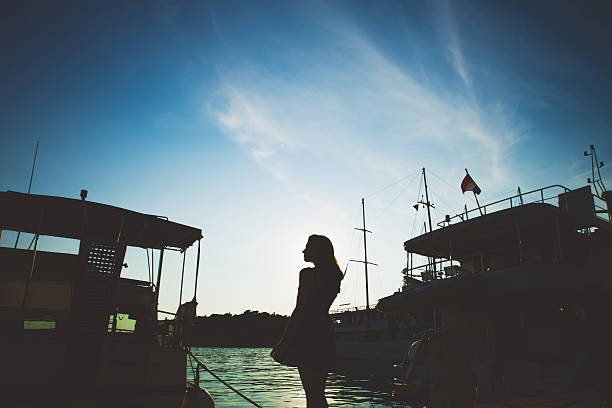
x=449, y=26
x=358, y=105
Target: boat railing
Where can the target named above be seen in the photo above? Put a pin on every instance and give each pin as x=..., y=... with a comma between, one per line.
x=540, y=195
x=348, y=309
x=438, y=268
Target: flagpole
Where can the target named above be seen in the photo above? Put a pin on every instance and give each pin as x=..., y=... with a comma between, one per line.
x=477, y=203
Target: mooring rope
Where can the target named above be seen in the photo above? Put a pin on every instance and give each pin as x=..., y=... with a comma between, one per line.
x=223, y=382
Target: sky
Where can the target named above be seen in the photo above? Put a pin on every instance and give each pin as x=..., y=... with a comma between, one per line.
x=263, y=122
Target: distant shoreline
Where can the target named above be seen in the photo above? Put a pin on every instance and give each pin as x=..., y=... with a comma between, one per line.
x=251, y=329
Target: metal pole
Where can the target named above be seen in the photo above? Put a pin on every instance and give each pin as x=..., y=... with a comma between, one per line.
x=159, y=272
x=427, y=200
x=477, y=203
x=411, y=264
x=149, y=267
x=365, y=250
x=600, y=180
x=593, y=170
x=33, y=165
x=31, y=274
x=365, y=254
x=450, y=255
x=195, y=290
x=29, y=185
x=182, y=276
x=428, y=215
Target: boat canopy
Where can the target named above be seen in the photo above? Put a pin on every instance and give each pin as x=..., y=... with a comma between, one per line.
x=87, y=220
x=500, y=231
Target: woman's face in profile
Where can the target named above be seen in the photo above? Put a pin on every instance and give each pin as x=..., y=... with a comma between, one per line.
x=307, y=252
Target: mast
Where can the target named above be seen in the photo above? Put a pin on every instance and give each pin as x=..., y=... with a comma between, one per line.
x=427, y=204
x=365, y=253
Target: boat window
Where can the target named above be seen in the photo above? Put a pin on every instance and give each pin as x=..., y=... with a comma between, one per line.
x=140, y=267
x=45, y=242
x=124, y=323
x=39, y=324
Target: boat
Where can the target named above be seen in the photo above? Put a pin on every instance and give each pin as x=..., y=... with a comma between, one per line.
x=74, y=331
x=367, y=335
x=515, y=297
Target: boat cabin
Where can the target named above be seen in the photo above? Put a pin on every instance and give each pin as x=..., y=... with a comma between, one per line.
x=73, y=327
x=520, y=293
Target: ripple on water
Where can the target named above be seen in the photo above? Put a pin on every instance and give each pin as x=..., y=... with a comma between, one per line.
x=253, y=372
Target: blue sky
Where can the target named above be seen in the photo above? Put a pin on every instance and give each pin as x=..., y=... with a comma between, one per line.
x=264, y=122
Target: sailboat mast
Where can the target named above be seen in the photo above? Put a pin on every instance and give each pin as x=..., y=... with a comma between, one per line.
x=427, y=200
x=365, y=254
x=428, y=204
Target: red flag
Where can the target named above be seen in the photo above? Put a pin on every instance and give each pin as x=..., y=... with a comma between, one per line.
x=468, y=184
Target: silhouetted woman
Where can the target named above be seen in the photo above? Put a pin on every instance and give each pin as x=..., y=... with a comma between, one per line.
x=308, y=342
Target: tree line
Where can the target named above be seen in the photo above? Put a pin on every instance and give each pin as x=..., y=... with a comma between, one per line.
x=249, y=329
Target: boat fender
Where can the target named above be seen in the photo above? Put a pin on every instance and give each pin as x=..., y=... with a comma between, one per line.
x=196, y=397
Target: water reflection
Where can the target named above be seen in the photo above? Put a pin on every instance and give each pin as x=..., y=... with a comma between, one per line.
x=253, y=372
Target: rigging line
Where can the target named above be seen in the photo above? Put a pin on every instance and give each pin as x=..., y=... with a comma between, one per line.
x=416, y=215
x=440, y=214
x=192, y=369
x=392, y=201
x=438, y=197
x=392, y=184
x=222, y=382
x=441, y=179
x=354, y=243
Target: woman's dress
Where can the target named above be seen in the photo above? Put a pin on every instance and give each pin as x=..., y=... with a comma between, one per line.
x=309, y=336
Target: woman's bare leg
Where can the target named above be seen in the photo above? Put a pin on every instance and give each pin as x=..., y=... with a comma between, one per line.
x=313, y=381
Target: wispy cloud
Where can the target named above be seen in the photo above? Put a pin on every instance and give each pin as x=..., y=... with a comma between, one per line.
x=449, y=27
x=356, y=105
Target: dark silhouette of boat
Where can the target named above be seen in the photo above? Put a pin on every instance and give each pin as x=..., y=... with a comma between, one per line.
x=517, y=306
x=74, y=332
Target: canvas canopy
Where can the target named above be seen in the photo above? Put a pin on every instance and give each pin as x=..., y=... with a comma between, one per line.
x=500, y=231
x=87, y=220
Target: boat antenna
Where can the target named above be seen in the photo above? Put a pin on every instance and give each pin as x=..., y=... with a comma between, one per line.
x=30, y=184
x=595, y=165
x=365, y=253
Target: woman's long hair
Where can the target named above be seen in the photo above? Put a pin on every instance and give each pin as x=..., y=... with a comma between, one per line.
x=323, y=256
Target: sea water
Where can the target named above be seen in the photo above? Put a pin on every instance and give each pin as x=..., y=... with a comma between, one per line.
x=254, y=373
